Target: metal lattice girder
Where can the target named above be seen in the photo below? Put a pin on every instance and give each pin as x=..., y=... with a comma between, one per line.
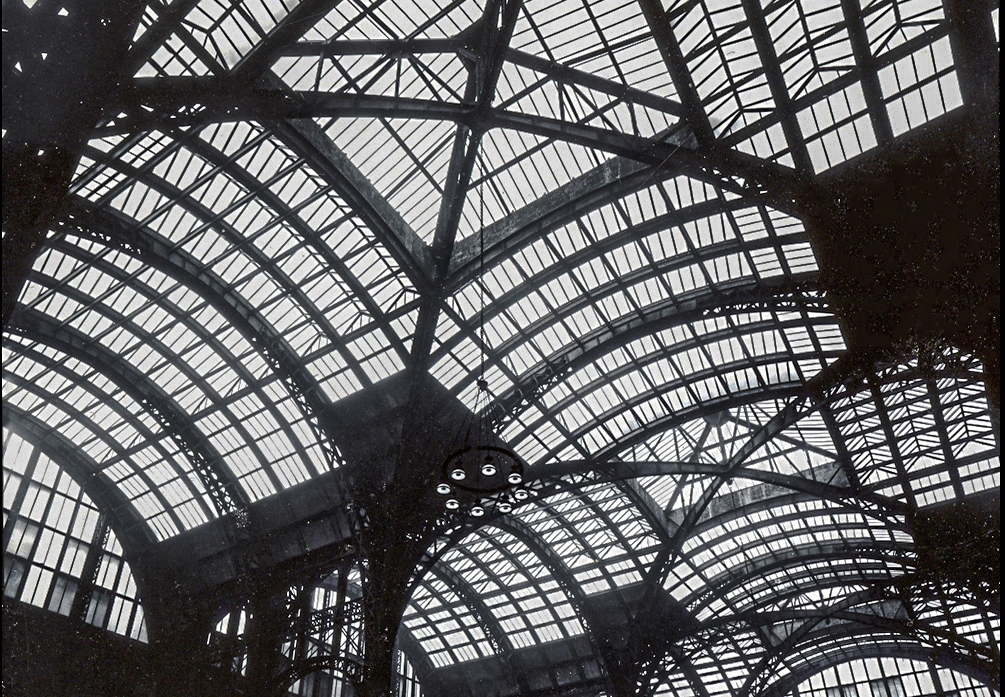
x=885, y=606
x=110, y=229
x=842, y=377
x=320, y=621
x=869, y=563
x=732, y=170
x=875, y=607
x=219, y=482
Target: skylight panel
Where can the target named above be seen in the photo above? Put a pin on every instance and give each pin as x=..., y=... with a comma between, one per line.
x=920, y=87
x=231, y=31
x=51, y=537
x=406, y=160
x=209, y=364
x=890, y=25
x=518, y=169
x=812, y=46
x=59, y=412
x=139, y=201
x=173, y=58
x=837, y=128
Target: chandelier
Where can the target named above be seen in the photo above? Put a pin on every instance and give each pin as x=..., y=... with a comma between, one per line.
x=481, y=472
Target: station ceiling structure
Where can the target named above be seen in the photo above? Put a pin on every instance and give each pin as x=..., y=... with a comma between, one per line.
x=722, y=273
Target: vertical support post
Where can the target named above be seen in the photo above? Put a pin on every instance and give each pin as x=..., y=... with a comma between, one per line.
x=267, y=627
x=89, y=574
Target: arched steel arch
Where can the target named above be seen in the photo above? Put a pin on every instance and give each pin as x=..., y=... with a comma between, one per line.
x=292, y=216
x=109, y=228
x=563, y=576
x=83, y=419
x=800, y=287
x=129, y=527
x=494, y=631
x=209, y=466
x=230, y=360
x=849, y=618
x=581, y=604
x=214, y=220
x=894, y=649
x=780, y=293
x=874, y=562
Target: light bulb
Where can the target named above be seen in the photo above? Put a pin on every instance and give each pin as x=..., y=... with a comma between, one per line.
x=457, y=474
x=514, y=478
x=520, y=494
x=505, y=507
x=489, y=469
x=443, y=488
x=453, y=504
x=477, y=511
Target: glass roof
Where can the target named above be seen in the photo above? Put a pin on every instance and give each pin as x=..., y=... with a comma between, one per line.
x=302, y=200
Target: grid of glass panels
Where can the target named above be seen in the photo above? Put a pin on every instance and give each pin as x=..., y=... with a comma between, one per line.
x=444, y=625
x=51, y=529
x=259, y=217
x=748, y=543
x=627, y=263
x=890, y=677
x=528, y=606
x=926, y=440
x=599, y=532
x=805, y=84
x=124, y=441
x=185, y=349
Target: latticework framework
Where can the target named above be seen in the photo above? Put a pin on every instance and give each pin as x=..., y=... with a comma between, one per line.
x=281, y=211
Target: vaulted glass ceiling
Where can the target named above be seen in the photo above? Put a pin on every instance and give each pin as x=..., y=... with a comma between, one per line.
x=295, y=201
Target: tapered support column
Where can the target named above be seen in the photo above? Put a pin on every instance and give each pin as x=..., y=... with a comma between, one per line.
x=267, y=628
